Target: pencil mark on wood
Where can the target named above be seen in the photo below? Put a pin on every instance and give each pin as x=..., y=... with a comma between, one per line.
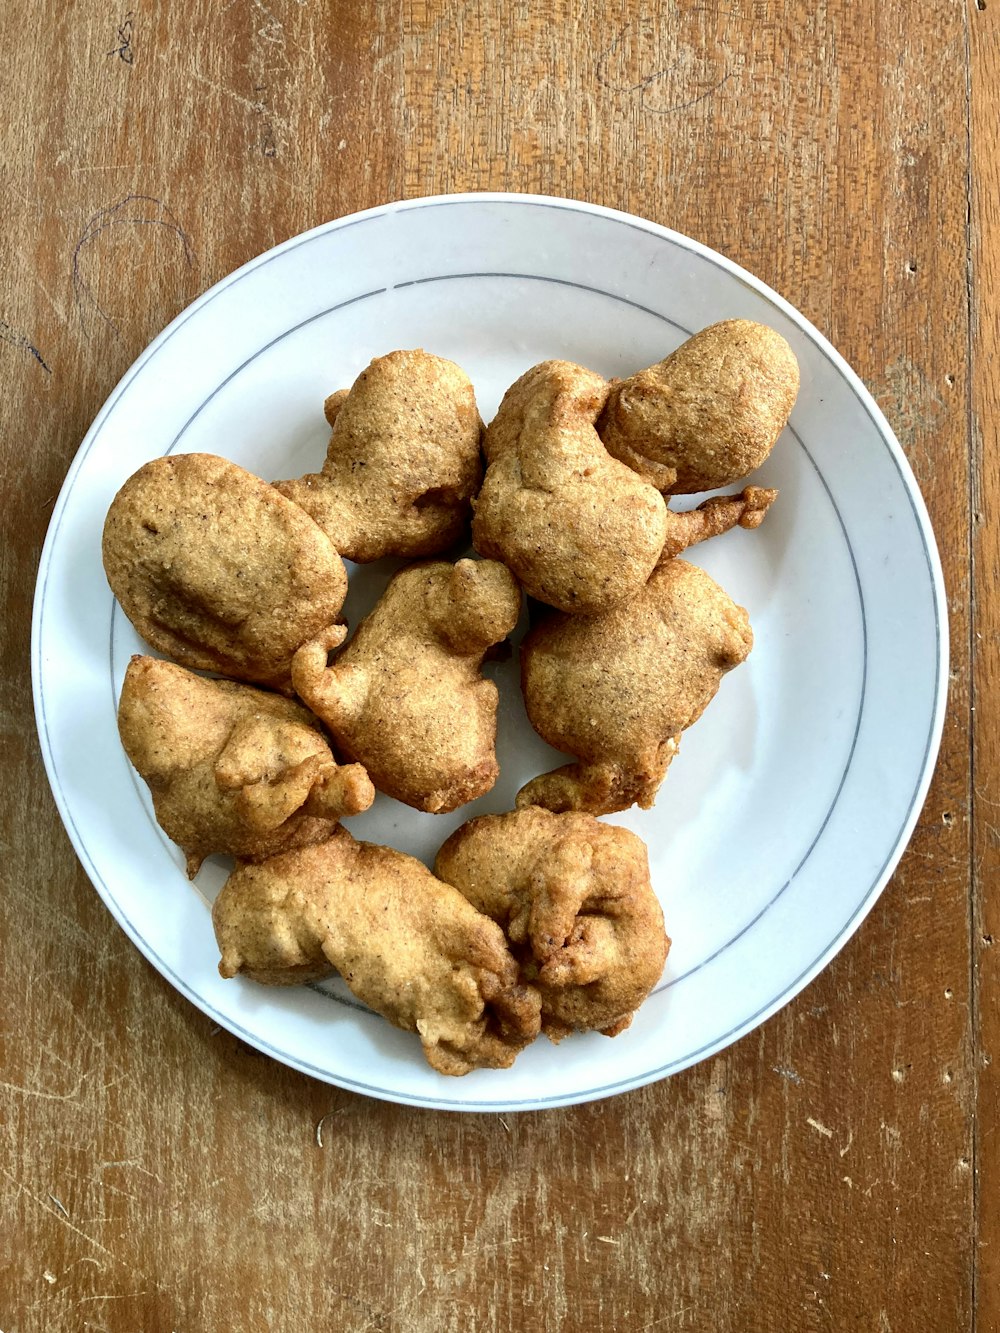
x=14, y=339
x=695, y=65
x=133, y=212
x=125, y=50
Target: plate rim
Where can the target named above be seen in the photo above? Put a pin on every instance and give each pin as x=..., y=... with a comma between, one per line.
x=908, y=479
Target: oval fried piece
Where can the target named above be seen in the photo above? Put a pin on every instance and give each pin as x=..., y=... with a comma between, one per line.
x=579, y=529
x=617, y=690
x=407, y=945
x=406, y=697
x=574, y=899
x=217, y=570
x=709, y=413
x=231, y=768
x=403, y=460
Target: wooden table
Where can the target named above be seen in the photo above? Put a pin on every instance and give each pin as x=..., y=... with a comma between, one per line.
x=838, y=1169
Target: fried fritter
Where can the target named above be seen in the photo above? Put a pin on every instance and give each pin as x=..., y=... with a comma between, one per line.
x=217, y=570
x=714, y=516
x=406, y=697
x=709, y=413
x=230, y=768
x=406, y=944
x=617, y=690
x=403, y=460
x=579, y=529
x=574, y=899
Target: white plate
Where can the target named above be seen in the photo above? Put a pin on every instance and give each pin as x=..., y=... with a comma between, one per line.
x=792, y=799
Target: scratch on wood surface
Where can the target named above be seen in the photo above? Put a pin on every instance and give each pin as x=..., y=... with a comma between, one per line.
x=789, y=1074
x=59, y=309
x=54, y=1213
x=669, y=1318
x=912, y=403
x=135, y=1165
x=322, y=1121
x=412, y=42
x=257, y=107
x=819, y=1127
x=44, y=1096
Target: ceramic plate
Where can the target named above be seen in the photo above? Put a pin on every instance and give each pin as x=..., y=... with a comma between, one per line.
x=792, y=798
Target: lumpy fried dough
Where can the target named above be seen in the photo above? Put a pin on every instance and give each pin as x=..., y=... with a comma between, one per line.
x=405, y=697
x=217, y=570
x=579, y=529
x=406, y=944
x=617, y=690
x=709, y=413
x=574, y=899
x=714, y=516
x=403, y=460
x=230, y=768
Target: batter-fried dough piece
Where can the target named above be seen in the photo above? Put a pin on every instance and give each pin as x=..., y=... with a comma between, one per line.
x=709, y=413
x=617, y=690
x=403, y=460
x=230, y=768
x=217, y=570
x=406, y=944
x=579, y=529
x=714, y=516
x=574, y=899
x=405, y=697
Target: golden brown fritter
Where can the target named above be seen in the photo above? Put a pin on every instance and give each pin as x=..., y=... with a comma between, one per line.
x=406, y=944
x=217, y=570
x=709, y=413
x=617, y=690
x=230, y=768
x=714, y=516
x=403, y=460
x=579, y=529
x=405, y=697
x=574, y=899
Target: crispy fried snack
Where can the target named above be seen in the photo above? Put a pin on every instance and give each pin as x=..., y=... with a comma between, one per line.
x=217, y=570
x=408, y=945
x=709, y=413
x=403, y=460
x=574, y=899
x=405, y=697
x=230, y=768
x=617, y=690
x=579, y=529
x=714, y=516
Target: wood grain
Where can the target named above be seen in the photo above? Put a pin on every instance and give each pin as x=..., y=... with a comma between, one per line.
x=984, y=276
x=157, y=1174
